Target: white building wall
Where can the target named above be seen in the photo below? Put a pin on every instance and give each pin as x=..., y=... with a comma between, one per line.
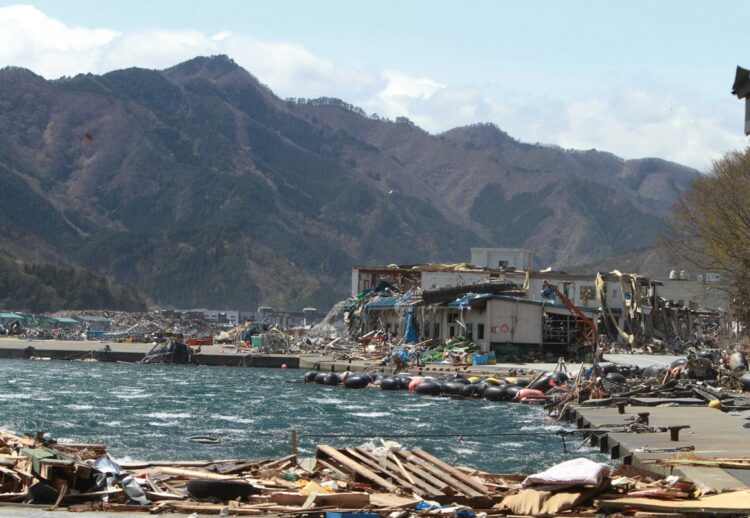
x=432, y=280
x=514, y=322
x=518, y=258
x=706, y=295
x=355, y=282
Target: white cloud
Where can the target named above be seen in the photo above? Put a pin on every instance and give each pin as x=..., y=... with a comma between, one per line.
x=629, y=120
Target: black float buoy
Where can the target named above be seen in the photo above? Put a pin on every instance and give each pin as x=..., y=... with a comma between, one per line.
x=390, y=384
x=494, y=393
x=331, y=379
x=428, y=388
x=357, y=381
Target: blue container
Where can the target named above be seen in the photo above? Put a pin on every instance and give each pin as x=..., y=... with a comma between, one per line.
x=479, y=359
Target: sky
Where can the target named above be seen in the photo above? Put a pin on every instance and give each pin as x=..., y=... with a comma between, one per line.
x=636, y=78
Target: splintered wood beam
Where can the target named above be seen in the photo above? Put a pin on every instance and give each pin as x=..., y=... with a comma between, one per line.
x=356, y=467
x=450, y=469
x=373, y=463
x=424, y=469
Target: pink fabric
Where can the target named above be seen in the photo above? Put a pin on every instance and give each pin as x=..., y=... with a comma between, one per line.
x=527, y=392
x=570, y=473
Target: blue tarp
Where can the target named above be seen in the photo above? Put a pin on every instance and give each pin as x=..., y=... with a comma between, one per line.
x=383, y=303
x=410, y=334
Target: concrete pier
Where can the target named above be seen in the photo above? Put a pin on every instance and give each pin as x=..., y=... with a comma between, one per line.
x=712, y=433
x=214, y=355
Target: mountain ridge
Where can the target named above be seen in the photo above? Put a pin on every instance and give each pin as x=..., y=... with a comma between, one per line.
x=197, y=186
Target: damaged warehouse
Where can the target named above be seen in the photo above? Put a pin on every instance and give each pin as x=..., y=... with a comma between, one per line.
x=518, y=313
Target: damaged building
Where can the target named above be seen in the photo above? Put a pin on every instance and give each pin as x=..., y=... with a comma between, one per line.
x=514, y=311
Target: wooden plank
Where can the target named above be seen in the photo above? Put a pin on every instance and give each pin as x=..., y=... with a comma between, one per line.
x=361, y=470
x=432, y=486
x=336, y=469
x=389, y=500
x=456, y=485
x=450, y=469
x=448, y=485
x=349, y=499
x=373, y=463
x=195, y=473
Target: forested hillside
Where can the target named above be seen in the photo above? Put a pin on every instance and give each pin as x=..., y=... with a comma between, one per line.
x=197, y=186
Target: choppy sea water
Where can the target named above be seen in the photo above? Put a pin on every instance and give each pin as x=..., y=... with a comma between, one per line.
x=146, y=412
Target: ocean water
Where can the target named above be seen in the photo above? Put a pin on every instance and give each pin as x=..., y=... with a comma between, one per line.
x=146, y=412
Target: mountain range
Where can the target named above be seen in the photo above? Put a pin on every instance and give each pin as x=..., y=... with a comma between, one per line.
x=196, y=186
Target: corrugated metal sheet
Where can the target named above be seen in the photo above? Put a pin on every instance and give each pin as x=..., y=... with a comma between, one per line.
x=383, y=303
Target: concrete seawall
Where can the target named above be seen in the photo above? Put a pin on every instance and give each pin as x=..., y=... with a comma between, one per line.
x=215, y=355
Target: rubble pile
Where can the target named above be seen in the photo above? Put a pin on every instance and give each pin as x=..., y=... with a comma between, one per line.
x=383, y=480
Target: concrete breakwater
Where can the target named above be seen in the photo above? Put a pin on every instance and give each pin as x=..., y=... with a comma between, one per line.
x=216, y=355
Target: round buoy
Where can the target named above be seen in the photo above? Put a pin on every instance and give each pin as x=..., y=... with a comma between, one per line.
x=390, y=384
x=452, y=388
x=492, y=381
x=404, y=382
x=332, y=379
x=310, y=377
x=652, y=371
x=414, y=383
x=542, y=384
x=494, y=393
x=511, y=391
x=468, y=390
x=357, y=381
x=428, y=388
x=320, y=378
x=714, y=404
x=283, y=365
x=521, y=382
x=615, y=377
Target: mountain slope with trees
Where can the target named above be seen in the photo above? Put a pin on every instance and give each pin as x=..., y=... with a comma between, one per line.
x=197, y=186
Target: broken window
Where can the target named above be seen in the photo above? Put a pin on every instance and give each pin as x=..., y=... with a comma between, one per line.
x=588, y=293
x=480, y=331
